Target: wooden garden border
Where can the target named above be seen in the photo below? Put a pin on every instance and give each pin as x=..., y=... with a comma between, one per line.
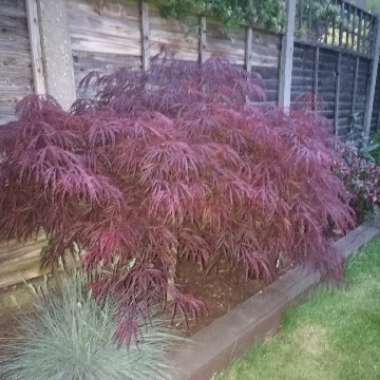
x=215, y=347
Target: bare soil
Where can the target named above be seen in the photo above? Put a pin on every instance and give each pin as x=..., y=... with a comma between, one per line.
x=221, y=290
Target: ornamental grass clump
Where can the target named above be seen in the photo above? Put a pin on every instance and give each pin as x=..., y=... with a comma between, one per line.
x=70, y=336
x=176, y=163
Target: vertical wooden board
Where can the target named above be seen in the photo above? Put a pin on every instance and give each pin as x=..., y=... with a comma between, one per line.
x=202, y=40
x=179, y=38
x=375, y=122
x=248, y=49
x=316, y=78
x=145, y=34
x=337, y=95
x=35, y=46
x=113, y=29
x=16, y=78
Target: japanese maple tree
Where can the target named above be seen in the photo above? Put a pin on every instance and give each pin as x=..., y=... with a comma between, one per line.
x=177, y=163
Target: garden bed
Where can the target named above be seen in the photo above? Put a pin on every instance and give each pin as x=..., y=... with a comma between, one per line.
x=214, y=347
x=240, y=312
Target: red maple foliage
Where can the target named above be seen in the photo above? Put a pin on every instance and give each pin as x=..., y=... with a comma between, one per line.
x=179, y=162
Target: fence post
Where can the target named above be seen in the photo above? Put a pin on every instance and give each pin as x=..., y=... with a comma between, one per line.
x=372, y=83
x=337, y=94
x=202, y=39
x=56, y=51
x=248, y=49
x=286, y=65
x=145, y=34
x=35, y=47
x=316, y=79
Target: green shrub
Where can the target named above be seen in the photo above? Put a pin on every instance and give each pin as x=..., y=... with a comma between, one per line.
x=71, y=337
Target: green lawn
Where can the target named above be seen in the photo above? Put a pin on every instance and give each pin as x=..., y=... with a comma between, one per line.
x=335, y=335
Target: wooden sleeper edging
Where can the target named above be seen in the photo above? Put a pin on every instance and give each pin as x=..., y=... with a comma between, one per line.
x=214, y=348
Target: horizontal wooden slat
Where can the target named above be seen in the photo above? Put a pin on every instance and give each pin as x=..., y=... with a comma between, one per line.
x=15, y=58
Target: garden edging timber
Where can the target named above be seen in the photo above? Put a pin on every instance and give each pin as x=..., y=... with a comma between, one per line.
x=213, y=349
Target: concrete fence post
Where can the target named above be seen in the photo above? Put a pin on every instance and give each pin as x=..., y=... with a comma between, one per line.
x=51, y=45
x=286, y=64
x=372, y=83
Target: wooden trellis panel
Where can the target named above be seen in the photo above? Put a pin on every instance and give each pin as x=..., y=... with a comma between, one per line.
x=351, y=29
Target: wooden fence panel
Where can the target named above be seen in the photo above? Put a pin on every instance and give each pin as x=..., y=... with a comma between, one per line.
x=230, y=45
x=181, y=38
x=362, y=90
x=103, y=39
x=304, y=76
x=303, y=73
x=16, y=77
x=265, y=60
x=347, y=73
x=327, y=82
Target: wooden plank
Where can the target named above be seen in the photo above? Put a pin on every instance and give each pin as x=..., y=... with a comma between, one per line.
x=355, y=89
x=331, y=48
x=115, y=29
x=286, y=65
x=337, y=95
x=35, y=47
x=232, y=46
x=202, y=39
x=316, y=79
x=215, y=347
x=86, y=62
x=372, y=83
x=248, y=49
x=145, y=34
x=180, y=37
x=16, y=73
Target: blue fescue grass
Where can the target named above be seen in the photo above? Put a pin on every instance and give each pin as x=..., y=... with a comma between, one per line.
x=71, y=337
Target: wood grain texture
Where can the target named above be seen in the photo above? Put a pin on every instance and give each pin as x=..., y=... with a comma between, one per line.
x=103, y=40
x=35, y=46
x=15, y=58
x=202, y=39
x=85, y=63
x=145, y=34
x=248, y=49
x=115, y=29
x=20, y=261
x=180, y=38
x=335, y=100
x=215, y=347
